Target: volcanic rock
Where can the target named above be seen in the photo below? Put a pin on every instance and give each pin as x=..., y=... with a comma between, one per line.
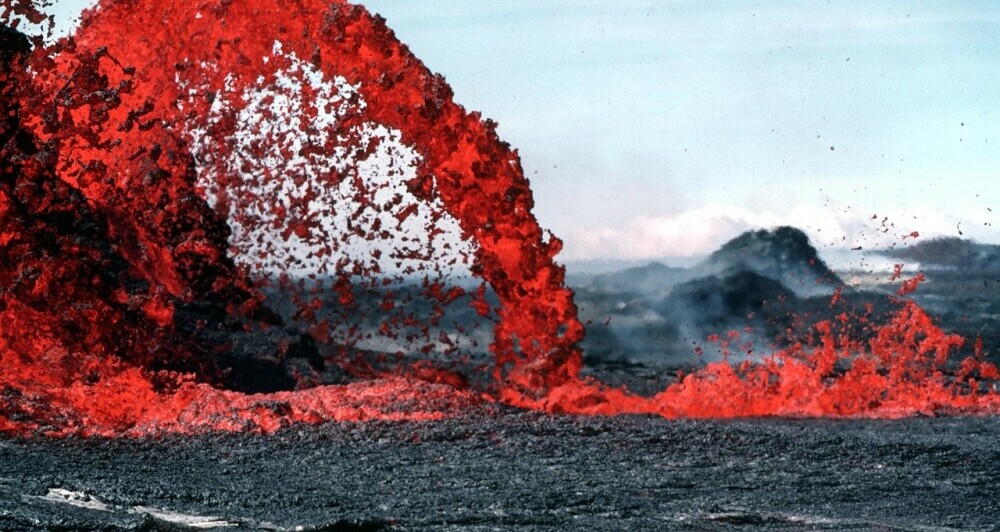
x=715, y=301
x=952, y=252
x=783, y=254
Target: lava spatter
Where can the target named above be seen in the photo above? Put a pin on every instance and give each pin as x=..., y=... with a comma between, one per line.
x=228, y=152
x=199, y=73
x=213, y=210
x=902, y=371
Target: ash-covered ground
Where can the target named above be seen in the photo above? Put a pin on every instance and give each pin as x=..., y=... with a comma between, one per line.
x=499, y=469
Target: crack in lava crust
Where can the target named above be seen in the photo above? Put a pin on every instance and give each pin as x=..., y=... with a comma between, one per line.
x=173, y=158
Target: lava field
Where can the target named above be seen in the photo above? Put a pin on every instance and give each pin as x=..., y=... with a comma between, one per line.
x=259, y=269
x=513, y=470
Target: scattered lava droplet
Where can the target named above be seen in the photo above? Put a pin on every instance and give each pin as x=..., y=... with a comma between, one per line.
x=910, y=285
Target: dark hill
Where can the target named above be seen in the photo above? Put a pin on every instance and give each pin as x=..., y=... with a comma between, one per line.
x=952, y=252
x=652, y=279
x=783, y=254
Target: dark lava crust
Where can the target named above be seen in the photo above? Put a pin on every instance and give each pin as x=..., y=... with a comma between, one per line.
x=502, y=469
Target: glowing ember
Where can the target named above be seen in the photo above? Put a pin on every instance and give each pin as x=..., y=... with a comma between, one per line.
x=184, y=179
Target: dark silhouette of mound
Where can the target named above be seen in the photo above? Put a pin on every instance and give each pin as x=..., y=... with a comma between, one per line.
x=652, y=278
x=713, y=303
x=783, y=254
x=761, y=279
x=952, y=252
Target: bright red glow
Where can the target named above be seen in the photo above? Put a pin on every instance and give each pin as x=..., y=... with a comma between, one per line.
x=901, y=372
x=114, y=141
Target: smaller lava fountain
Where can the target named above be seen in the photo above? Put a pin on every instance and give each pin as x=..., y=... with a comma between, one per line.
x=241, y=215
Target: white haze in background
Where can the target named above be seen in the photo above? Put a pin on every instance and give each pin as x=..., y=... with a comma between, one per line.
x=700, y=231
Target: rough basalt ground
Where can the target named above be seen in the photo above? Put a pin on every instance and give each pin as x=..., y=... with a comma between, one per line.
x=499, y=468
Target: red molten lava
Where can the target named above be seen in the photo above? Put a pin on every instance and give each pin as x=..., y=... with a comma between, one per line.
x=203, y=198
x=902, y=371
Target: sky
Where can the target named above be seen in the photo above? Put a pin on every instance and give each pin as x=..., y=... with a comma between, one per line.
x=660, y=129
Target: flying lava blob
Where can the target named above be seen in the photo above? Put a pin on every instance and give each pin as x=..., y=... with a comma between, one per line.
x=223, y=215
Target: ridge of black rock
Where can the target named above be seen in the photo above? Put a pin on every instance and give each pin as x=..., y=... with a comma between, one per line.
x=952, y=252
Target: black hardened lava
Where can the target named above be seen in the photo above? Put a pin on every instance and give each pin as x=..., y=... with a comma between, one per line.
x=524, y=471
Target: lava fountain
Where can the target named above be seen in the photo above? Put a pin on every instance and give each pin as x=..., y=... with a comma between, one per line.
x=240, y=215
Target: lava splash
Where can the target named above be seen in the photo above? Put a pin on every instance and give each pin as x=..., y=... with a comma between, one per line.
x=221, y=216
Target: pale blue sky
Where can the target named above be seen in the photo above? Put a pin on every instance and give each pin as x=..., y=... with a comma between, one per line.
x=660, y=128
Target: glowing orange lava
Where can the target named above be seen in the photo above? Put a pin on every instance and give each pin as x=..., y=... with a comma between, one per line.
x=130, y=230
